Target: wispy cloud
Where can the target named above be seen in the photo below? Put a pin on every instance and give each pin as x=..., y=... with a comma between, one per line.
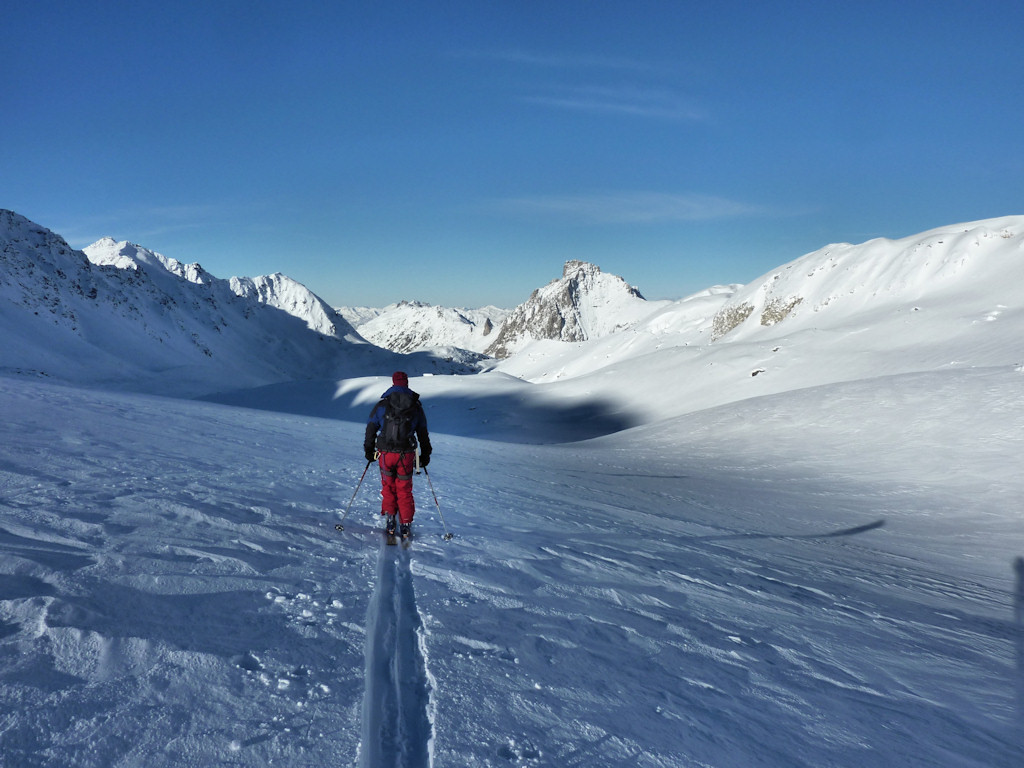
x=565, y=62
x=598, y=84
x=628, y=207
x=625, y=100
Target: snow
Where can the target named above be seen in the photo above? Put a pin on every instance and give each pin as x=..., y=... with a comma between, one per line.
x=582, y=305
x=124, y=317
x=659, y=558
x=275, y=290
x=411, y=326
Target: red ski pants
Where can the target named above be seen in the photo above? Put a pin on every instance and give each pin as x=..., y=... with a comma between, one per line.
x=396, y=485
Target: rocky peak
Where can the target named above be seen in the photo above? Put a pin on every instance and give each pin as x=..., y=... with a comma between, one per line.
x=584, y=303
x=576, y=269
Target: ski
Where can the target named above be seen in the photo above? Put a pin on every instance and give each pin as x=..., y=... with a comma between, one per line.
x=390, y=539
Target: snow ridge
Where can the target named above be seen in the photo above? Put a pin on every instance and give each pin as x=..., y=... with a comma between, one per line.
x=841, y=281
x=281, y=291
x=397, y=727
x=277, y=290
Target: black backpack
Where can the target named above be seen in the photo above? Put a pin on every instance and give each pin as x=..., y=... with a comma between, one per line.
x=396, y=435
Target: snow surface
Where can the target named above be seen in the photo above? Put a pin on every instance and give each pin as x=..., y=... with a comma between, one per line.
x=816, y=565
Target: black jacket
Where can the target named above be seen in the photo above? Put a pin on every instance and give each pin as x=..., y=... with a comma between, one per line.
x=418, y=426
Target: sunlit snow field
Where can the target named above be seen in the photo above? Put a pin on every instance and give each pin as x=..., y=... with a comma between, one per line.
x=748, y=585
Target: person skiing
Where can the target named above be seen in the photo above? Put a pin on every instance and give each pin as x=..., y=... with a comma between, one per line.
x=395, y=424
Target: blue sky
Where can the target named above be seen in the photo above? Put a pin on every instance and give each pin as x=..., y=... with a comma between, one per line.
x=459, y=152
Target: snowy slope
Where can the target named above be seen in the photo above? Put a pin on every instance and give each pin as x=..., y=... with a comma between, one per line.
x=943, y=300
x=134, y=319
x=971, y=267
x=767, y=584
x=679, y=323
x=411, y=326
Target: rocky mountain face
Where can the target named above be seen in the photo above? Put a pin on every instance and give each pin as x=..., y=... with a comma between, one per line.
x=585, y=303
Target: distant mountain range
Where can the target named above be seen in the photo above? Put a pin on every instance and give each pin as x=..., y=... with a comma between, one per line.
x=120, y=315
x=411, y=326
x=583, y=304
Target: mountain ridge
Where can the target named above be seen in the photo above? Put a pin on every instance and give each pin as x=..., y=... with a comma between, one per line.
x=172, y=327
x=139, y=320
x=841, y=313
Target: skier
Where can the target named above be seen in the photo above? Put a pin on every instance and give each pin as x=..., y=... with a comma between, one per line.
x=400, y=420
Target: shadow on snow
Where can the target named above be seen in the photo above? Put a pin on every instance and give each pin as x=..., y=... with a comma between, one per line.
x=510, y=417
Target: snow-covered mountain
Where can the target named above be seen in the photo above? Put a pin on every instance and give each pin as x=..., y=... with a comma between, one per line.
x=281, y=291
x=126, y=317
x=412, y=326
x=807, y=550
x=965, y=268
x=845, y=312
x=585, y=303
x=356, y=316
x=275, y=290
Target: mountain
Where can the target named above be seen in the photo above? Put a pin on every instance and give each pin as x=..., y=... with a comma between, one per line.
x=928, y=302
x=585, y=303
x=970, y=268
x=126, y=317
x=275, y=290
x=670, y=329
x=411, y=326
x=356, y=316
x=282, y=292
x=786, y=543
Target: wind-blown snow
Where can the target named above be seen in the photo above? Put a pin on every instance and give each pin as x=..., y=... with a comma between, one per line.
x=814, y=565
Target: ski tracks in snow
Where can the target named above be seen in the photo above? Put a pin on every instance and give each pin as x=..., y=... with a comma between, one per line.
x=397, y=726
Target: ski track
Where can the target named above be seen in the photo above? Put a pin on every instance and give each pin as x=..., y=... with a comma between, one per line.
x=397, y=728
x=166, y=604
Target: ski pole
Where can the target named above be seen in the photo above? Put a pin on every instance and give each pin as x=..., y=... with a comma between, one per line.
x=340, y=525
x=447, y=534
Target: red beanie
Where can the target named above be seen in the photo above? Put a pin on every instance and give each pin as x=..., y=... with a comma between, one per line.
x=399, y=379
